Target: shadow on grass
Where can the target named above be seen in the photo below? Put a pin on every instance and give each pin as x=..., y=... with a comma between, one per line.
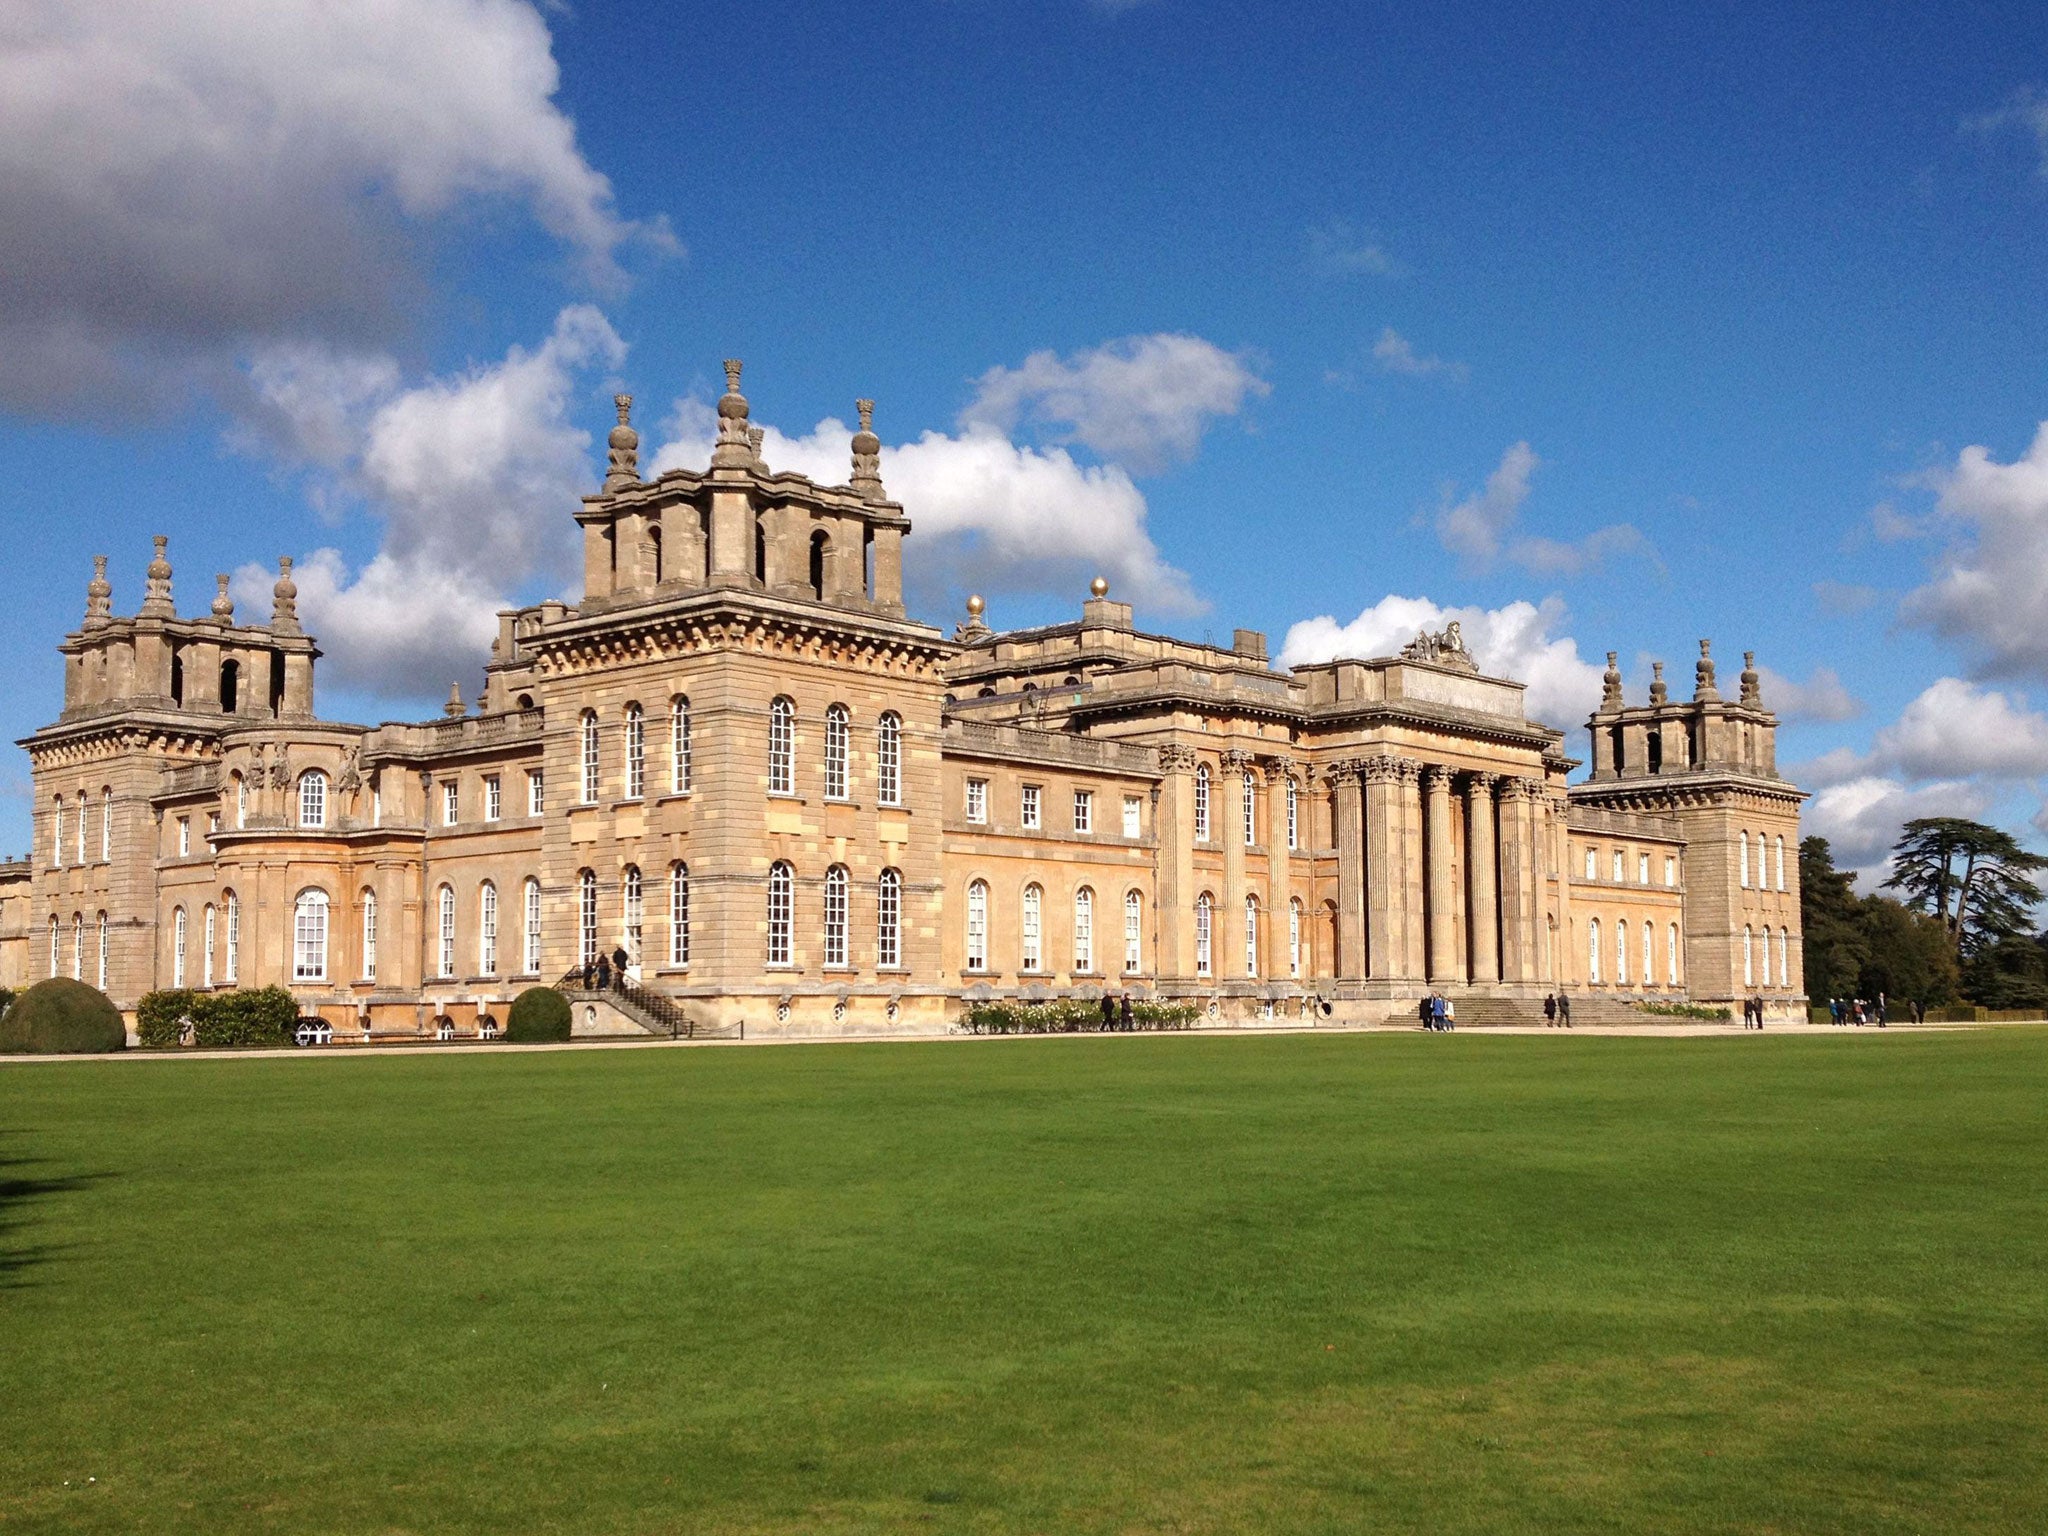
x=21, y=1191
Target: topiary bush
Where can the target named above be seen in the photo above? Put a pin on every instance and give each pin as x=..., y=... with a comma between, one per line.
x=161, y=1016
x=62, y=1016
x=258, y=1016
x=539, y=1016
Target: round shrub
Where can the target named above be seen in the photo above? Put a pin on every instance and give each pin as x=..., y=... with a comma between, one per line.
x=539, y=1016
x=62, y=1016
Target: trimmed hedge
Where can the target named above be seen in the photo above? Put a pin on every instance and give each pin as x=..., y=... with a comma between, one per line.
x=539, y=1016
x=1688, y=1011
x=62, y=1016
x=258, y=1016
x=1068, y=1016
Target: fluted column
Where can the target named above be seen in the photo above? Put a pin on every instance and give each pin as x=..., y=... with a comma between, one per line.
x=1482, y=904
x=1517, y=856
x=1173, y=829
x=1237, y=767
x=1405, y=856
x=1351, y=871
x=1280, y=772
x=1440, y=870
x=1557, y=850
x=1386, y=906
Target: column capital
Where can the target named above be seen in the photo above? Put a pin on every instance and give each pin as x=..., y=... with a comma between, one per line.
x=1175, y=758
x=1482, y=785
x=1345, y=770
x=1436, y=777
x=1287, y=768
x=1514, y=787
x=1236, y=764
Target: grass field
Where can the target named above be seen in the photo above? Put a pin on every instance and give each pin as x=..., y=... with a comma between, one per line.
x=1350, y=1283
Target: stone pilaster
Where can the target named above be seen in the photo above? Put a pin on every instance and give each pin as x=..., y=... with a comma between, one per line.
x=1174, y=824
x=1482, y=907
x=1280, y=773
x=1440, y=871
x=1237, y=767
x=1351, y=870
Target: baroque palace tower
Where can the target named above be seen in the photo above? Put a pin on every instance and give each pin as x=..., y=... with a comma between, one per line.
x=739, y=761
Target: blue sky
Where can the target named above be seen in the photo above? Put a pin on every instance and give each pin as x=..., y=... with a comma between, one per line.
x=1665, y=325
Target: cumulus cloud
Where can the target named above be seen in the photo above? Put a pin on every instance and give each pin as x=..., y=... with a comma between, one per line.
x=473, y=477
x=182, y=185
x=1342, y=251
x=1956, y=729
x=986, y=511
x=1820, y=697
x=1142, y=401
x=1861, y=817
x=1482, y=527
x=1990, y=587
x=1519, y=641
x=1394, y=353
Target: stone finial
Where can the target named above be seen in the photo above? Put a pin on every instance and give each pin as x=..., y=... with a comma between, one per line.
x=1703, y=689
x=1610, y=684
x=454, y=708
x=867, y=455
x=623, y=445
x=755, y=437
x=1659, y=694
x=733, y=451
x=284, y=600
x=223, y=605
x=99, y=596
x=156, y=601
x=974, y=630
x=976, y=607
x=1099, y=588
x=1752, y=685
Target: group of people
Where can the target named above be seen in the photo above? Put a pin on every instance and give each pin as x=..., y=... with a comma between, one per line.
x=1878, y=1010
x=605, y=971
x=1438, y=1012
x=1117, y=1012
x=1557, y=1010
x=1752, y=1013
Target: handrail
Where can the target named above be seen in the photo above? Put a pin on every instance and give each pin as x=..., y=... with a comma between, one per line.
x=654, y=1008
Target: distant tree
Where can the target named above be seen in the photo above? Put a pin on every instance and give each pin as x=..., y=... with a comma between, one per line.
x=1836, y=944
x=1976, y=880
x=2012, y=973
x=1909, y=957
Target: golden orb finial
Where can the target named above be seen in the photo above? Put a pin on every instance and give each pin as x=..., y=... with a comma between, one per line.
x=1099, y=587
x=975, y=606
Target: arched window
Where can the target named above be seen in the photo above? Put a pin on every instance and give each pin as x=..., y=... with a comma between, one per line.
x=369, y=905
x=781, y=911
x=679, y=914
x=1784, y=957
x=820, y=544
x=444, y=958
x=1204, y=912
x=1293, y=818
x=1251, y=810
x=1593, y=949
x=177, y=947
x=1671, y=954
x=635, y=903
x=1251, y=936
x=102, y=983
x=977, y=926
x=1033, y=953
x=241, y=802
x=57, y=834
x=1294, y=937
x=1778, y=857
x=636, y=753
x=1084, y=932
x=1742, y=846
x=309, y=936
x=230, y=686
x=1649, y=971
x=586, y=917
x=889, y=920
x=232, y=970
x=588, y=791
x=679, y=745
x=107, y=824
x=531, y=958
x=313, y=798
x=487, y=930
x=206, y=940
x=1202, y=803
x=78, y=946
x=782, y=747
x=836, y=732
x=835, y=916
x=889, y=759
x=1621, y=954
x=1748, y=959
x=1134, y=933
x=56, y=945
x=84, y=816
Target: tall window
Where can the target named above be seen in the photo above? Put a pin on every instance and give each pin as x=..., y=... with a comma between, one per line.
x=1027, y=808
x=1032, y=955
x=241, y=802
x=1293, y=819
x=1134, y=933
x=177, y=947
x=1134, y=814
x=531, y=958
x=1202, y=803
x=451, y=803
x=536, y=793
x=1620, y=866
x=1748, y=959
x=494, y=799
x=1642, y=869
x=977, y=800
x=233, y=968
x=376, y=799
x=106, y=824
x=1251, y=810
x=1784, y=957
x=1592, y=864
x=207, y=936
x=487, y=930
x=889, y=759
x=635, y=902
x=1294, y=937
x=636, y=753
x=889, y=920
x=1251, y=936
x=782, y=748
x=313, y=799
x=1084, y=810
x=1742, y=844
x=679, y=745
x=1621, y=954
x=589, y=786
x=1649, y=972
x=184, y=832
x=679, y=914
x=1084, y=932
x=835, y=915
x=1593, y=949
x=836, y=732
x=102, y=983
x=1204, y=933
x=1671, y=954
x=57, y=835
x=445, y=959
x=56, y=945
x=309, y=936
x=369, y=935
x=977, y=926
x=1778, y=857
x=586, y=916
x=1670, y=869
x=84, y=816
x=781, y=911
x=78, y=946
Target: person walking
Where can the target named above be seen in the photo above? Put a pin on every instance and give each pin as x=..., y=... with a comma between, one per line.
x=1450, y=1014
x=1549, y=1010
x=1426, y=1010
x=1126, y=1016
x=1108, y=1011
x=1883, y=1010
x=1436, y=1011
x=619, y=962
x=604, y=973
x=589, y=972
x=1564, y=1009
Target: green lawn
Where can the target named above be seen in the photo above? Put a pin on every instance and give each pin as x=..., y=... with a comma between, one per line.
x=1348, y=1283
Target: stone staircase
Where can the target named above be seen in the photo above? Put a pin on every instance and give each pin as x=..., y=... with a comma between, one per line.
x=1491, y=1010
x=653, y=1012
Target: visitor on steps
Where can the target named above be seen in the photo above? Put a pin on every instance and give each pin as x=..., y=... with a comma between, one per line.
x=1564, y=1010
x=1426, y=1010
x=1549, y=1010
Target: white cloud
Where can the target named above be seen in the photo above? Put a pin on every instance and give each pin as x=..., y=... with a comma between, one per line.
x=1955, y=729
x=1990, y=589
x=1891, y=526
x=474, y=478
x=1861, y=817
x=2025, y=109
x=1141, y=401
x=182, y=184
x=1340, y=250
x=1394, y=353
x=1481, y=527
x=1820, y=697
x=1517, y=641
x=985, y=511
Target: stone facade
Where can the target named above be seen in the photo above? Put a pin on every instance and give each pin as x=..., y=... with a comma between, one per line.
x=795, y=807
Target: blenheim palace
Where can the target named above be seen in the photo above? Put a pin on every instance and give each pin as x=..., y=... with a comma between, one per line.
x=792, y=805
